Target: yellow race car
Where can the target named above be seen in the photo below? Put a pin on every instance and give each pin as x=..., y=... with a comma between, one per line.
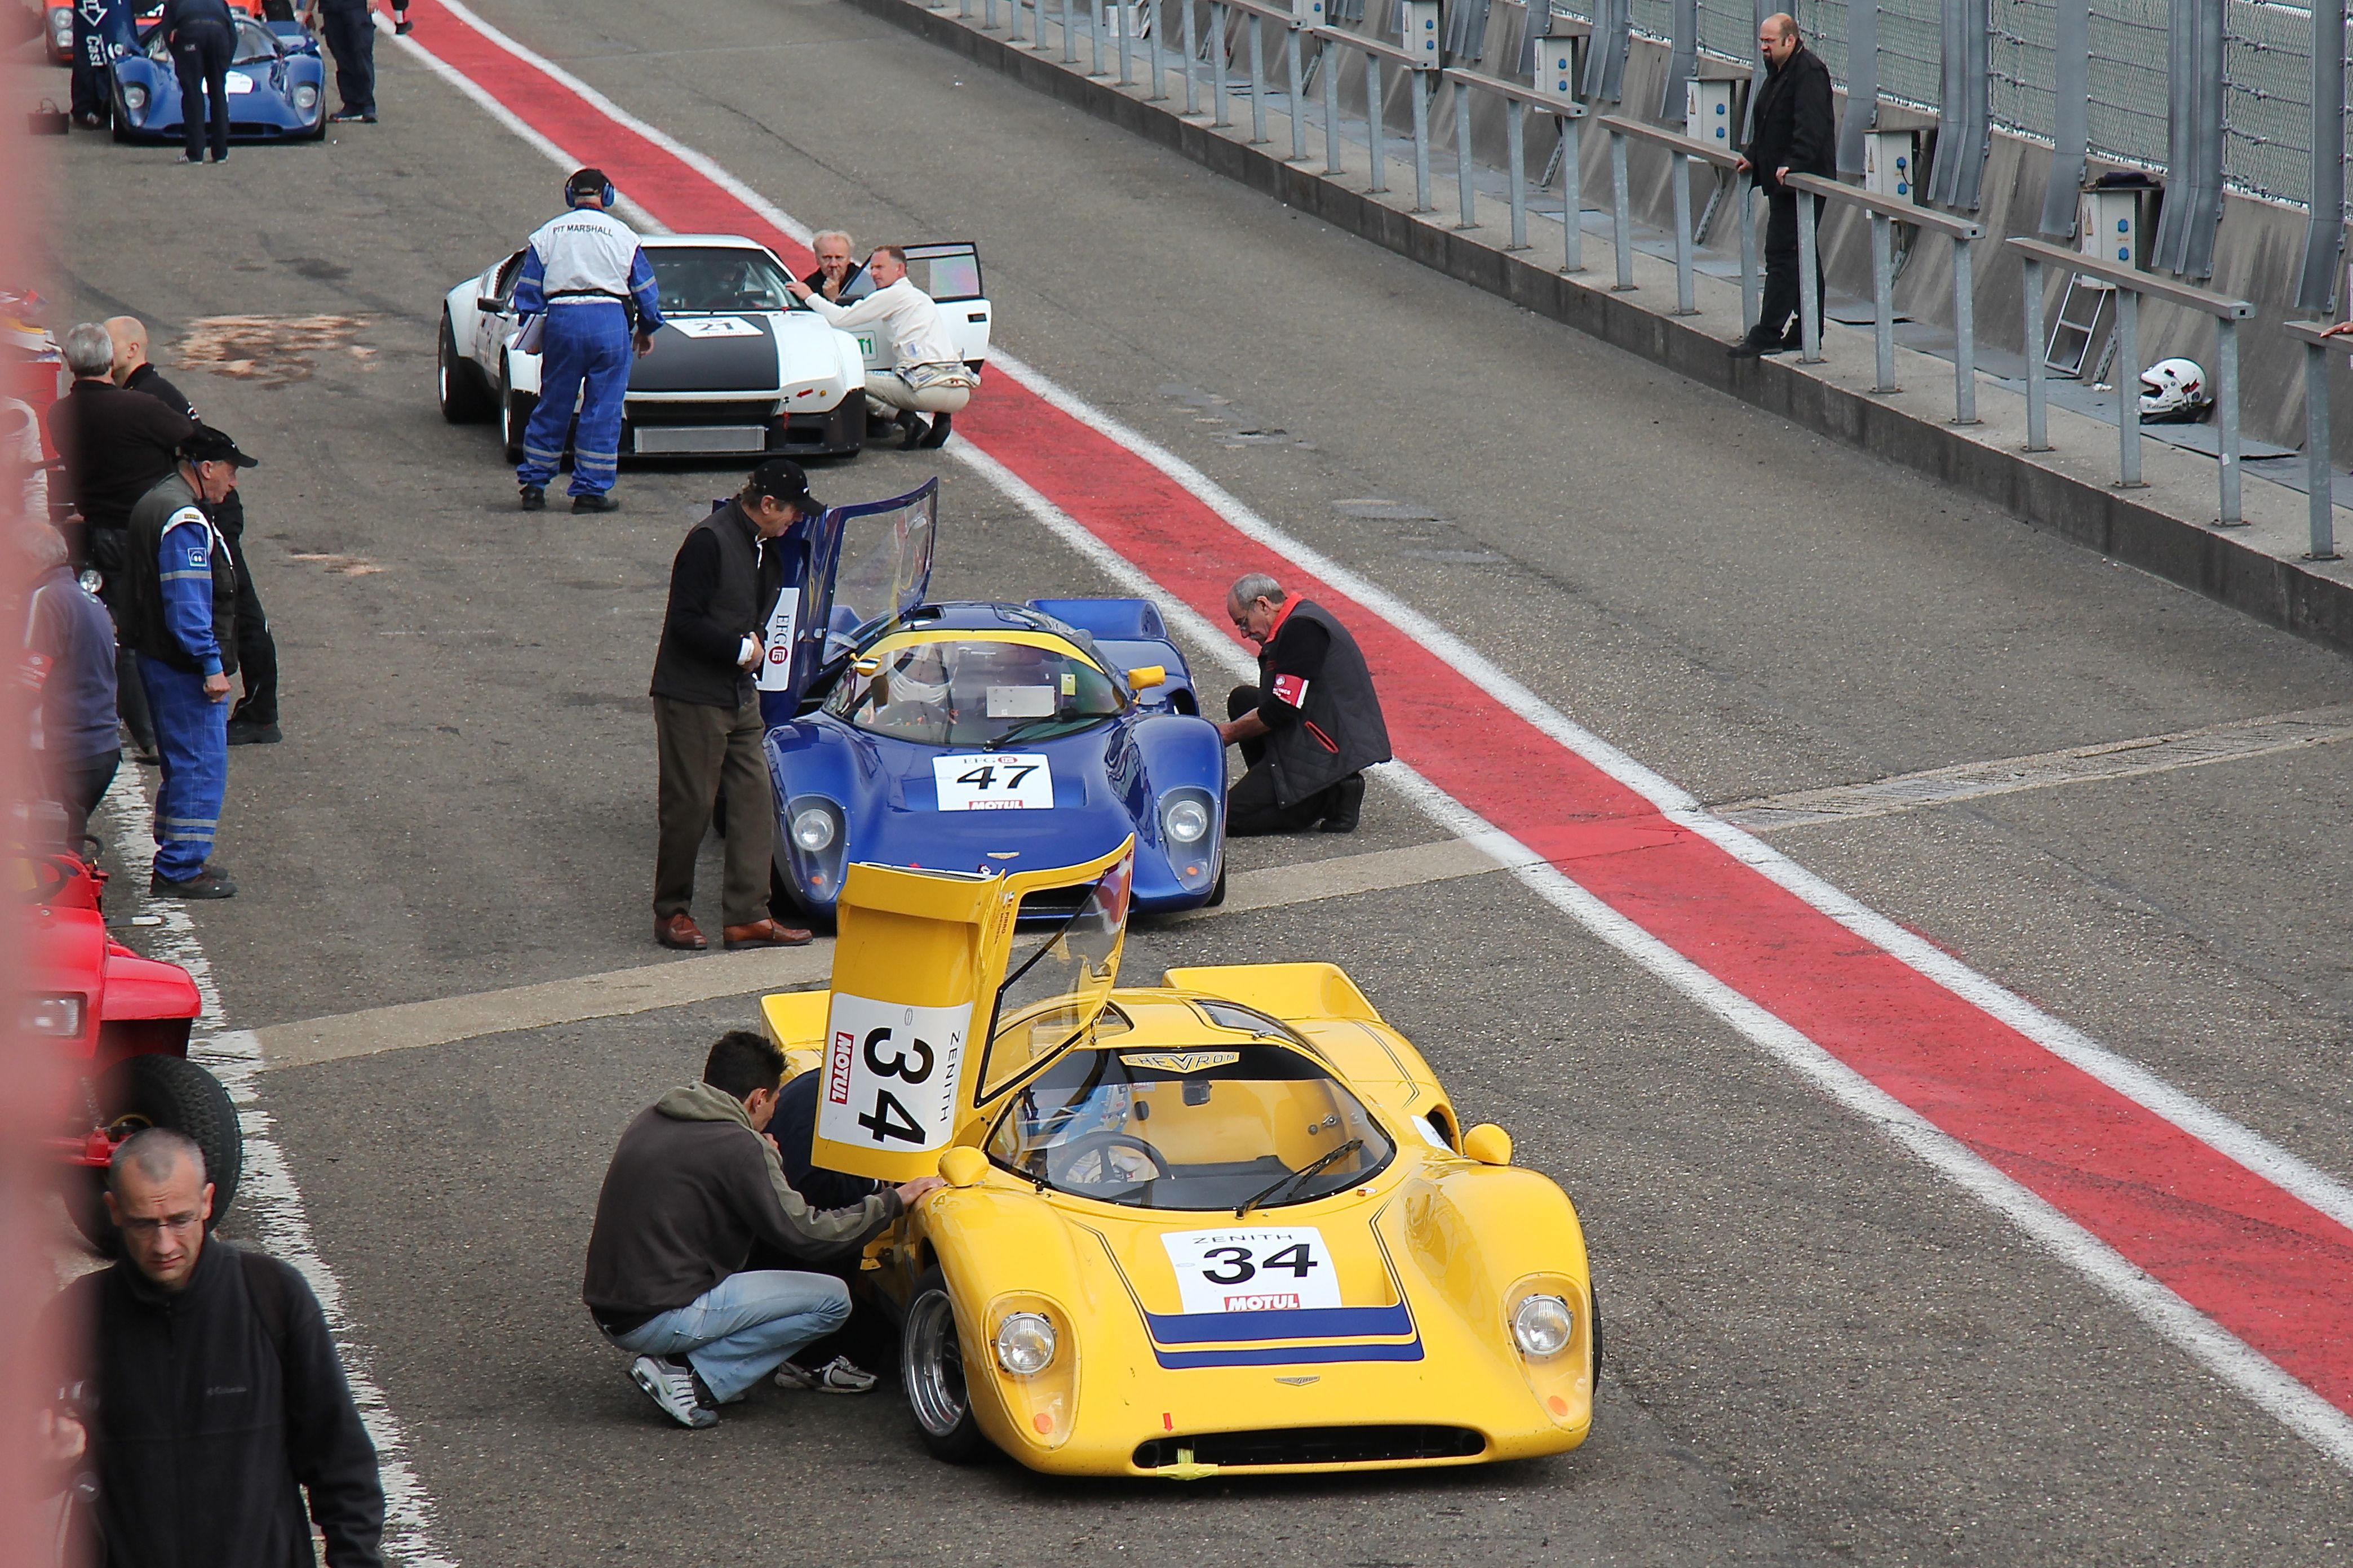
x=1226, y=1225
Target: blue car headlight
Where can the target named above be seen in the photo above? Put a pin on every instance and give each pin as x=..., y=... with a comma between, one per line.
x=815, y=839
x=814, y=828
x=134, y=98
x=306, y=99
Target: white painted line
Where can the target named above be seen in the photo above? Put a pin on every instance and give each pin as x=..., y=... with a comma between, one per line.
x=2045, y=770
x=267, y=1201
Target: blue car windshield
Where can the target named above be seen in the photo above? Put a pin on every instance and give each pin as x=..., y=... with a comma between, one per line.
x=984, y=692
x=254, y=44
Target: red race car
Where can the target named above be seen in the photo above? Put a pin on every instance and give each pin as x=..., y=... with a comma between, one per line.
x=122, y=1022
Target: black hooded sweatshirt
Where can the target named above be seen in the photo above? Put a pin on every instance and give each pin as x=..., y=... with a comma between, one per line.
x=207, y=1431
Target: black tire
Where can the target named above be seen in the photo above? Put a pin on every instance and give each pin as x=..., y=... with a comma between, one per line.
x=516, y=408
x=464, y=399
x=155, y=1090
x=1593, y=1294
x=1217, y=894
x=930, y=1369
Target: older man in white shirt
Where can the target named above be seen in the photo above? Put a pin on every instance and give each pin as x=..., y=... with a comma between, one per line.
x=927, y=375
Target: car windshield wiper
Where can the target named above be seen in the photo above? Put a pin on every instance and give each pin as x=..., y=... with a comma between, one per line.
x=1036, y=727
x=1248, y=1204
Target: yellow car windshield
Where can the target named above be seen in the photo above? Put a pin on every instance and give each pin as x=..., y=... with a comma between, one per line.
x=1209, y=1127
x=984, y=693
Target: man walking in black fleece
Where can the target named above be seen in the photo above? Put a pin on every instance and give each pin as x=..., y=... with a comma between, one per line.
x=219, y=1400
x=1794, y=133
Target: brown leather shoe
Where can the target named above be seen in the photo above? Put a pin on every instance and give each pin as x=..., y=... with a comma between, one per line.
x=766, y=934
x=680, y=931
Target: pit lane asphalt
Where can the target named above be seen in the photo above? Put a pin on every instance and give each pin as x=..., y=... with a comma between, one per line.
x=1820, y=1353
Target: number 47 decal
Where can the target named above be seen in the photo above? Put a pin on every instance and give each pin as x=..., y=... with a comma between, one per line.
x=985, y=776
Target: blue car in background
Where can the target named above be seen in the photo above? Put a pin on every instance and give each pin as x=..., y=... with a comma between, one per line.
x=277, y=86
x=981, y=737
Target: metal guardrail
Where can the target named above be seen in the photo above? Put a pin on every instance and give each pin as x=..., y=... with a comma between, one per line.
x=1885, y=213
x=1518, y=100
x=1622, y=216
x=2320, y=477
x=2131, y=284
x=1376, y=112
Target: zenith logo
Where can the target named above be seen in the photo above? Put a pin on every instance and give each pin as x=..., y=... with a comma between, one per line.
x=1298, y=1382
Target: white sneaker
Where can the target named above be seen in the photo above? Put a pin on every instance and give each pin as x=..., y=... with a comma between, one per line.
x=672, y=1387
x=839, y=1376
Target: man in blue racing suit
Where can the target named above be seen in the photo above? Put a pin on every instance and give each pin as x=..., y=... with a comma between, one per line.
x=587, y=275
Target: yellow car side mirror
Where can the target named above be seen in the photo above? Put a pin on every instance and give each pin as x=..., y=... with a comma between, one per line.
x=963, y=1165
x=1487, y=1144
x=868, y=667
x=1145, y=677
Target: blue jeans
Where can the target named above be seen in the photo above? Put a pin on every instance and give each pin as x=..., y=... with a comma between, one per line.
x=192, y=738
x=744, y=1327
x=584, y=354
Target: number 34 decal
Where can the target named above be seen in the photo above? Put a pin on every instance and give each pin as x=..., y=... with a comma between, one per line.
x=1254, y=1268
x=891, y=1073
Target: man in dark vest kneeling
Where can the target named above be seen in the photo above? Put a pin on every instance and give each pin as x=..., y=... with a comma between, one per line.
x=1312, y=724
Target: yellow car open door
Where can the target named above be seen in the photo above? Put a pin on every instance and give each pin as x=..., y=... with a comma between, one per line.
x=948, y=989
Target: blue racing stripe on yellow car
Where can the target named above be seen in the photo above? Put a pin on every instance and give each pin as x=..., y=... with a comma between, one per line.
x=1287, y=1355
x=1304, y=1323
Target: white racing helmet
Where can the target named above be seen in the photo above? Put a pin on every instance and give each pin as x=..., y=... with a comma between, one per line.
x=2174, y=389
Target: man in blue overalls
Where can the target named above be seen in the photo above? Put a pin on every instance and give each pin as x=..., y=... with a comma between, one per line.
x=587, y=274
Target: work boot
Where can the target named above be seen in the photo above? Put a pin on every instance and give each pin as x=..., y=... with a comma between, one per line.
x=911, y=431
x=937, y=435
x=1751, y=346
x=253, y=733
x=533, y=499
x=207, y=883
x=599, y=502
x=1343, y=803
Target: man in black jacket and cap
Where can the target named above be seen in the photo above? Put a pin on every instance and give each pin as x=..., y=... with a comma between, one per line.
x=218, y=1398
x=1312, y=724
x=1794, y=132
x=708, y=728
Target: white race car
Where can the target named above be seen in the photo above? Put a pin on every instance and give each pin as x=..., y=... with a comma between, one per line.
x=738, y=369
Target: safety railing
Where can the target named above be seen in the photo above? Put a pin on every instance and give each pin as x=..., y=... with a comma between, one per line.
x=2320, y=477
x=1517, y=102
x=1684, y=149
x=2131, y=285
x=1376, y=55
x=1886, y=212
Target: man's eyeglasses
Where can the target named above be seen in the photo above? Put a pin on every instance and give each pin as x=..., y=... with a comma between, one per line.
x=171, y=1221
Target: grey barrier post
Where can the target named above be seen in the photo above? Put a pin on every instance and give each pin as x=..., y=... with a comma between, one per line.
x=1965, y=336
x=1328, y=57
x=1622, y=216
x=1883, y=300
x=964, y=10
x=2038, y=431
x=1744, y=204
x=1217, y=19
x=1463, y=156
x=1376, y=123
x=1420, y=141
x=1572, y=194
x=1070, y=40
x=2226, y=416
x=1125, y=34
x=1292, y=79
x=1679, y=168
x=1096, y=36
x=1515, y=182
x=2319, y=478
x=2128, y=398
x=1012, y=21
x=1192, y=53
x=2324, y=226
x=1809, y=271
x=1159, y=92
x=1258, y=79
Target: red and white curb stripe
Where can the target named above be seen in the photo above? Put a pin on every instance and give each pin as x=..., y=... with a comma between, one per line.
x=2233, y=1249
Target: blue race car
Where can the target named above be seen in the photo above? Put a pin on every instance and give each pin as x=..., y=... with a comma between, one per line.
x=977, y=737
x=276, y=87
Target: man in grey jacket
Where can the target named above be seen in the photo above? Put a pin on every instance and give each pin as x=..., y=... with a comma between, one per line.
x=694, y=1183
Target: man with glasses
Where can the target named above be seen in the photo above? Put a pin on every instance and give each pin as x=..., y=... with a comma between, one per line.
x=1312, y=724
x=1794, y=132
x=218, y=1400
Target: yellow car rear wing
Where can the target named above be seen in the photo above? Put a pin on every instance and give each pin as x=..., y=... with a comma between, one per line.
x=925, y=963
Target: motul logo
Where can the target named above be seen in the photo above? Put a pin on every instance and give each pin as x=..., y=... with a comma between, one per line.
x=837, y=1066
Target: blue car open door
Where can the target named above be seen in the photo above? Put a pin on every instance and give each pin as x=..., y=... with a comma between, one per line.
x=870, y=564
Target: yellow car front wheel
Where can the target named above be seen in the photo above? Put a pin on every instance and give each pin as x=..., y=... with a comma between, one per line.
x=931, y=1366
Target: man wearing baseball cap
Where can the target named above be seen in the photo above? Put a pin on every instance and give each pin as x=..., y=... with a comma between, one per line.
x=179, y=613
x=724, y=590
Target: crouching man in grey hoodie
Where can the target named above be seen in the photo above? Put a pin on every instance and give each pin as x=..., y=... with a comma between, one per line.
x=693, y=1185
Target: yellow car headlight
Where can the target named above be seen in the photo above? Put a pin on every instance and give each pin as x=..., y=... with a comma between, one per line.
x=1542, y=1325
x=1025, y=1343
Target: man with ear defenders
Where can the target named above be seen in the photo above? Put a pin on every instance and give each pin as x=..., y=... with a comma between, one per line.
x=587, y=274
